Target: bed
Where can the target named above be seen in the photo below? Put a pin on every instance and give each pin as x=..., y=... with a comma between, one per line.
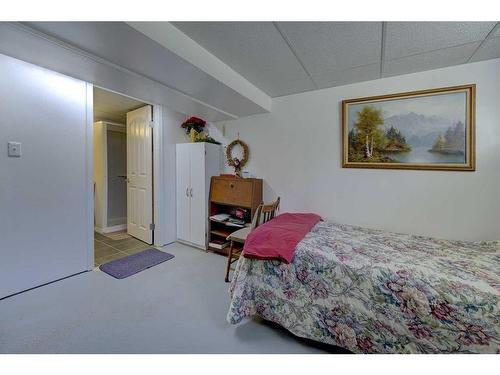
x=371, y=291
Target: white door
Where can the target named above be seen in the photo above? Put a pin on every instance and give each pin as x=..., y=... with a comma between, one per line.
x=197, y=195
x=140, y=174
x=182, y=191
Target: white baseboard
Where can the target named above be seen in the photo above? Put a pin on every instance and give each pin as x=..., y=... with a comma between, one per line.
x=114, y=228
x=112, y=222
x=192, y=244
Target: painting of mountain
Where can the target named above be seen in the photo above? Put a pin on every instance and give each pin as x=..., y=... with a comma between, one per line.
x=423, y=130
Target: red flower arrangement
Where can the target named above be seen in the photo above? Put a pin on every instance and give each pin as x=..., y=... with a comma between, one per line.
x=195, y=123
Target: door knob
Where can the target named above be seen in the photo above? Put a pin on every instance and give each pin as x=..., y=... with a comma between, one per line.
x=187, y=192
x=191, y=192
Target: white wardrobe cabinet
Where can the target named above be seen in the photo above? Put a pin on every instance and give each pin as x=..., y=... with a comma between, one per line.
x=196, y=163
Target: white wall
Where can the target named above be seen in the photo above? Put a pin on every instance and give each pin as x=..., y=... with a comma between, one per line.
x=100, y=191
x=44, y=206
x=116, y=166
x=171, y=135
x=296, y=149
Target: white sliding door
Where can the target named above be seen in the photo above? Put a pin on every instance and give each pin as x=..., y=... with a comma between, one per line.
x=140, y=174
x=44, y=205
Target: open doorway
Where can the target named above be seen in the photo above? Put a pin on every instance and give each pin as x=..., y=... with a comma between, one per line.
x=123, y=176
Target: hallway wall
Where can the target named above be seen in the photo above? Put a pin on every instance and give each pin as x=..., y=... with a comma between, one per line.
x=117, y=186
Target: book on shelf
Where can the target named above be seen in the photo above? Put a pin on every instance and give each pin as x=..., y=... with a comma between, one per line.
x=231, y=224
x=236, y=221
x=218, y=244
x=228, y=220
x=220, y=217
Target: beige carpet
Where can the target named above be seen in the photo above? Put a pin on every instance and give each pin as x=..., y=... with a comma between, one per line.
x=179, y=306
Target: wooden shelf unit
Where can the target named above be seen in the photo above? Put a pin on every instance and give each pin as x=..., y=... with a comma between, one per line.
x=227, y=193
x=220, y=232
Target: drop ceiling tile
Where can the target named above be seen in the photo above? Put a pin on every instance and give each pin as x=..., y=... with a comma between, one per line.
x=409, y=38
x=293, y=87
x=327, y=47
x=497, y=31
x=489, y=50
x=348, y=76
x=431, y=60
x=255, y=50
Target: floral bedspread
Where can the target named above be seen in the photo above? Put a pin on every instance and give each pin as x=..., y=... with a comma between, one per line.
x=371, y=291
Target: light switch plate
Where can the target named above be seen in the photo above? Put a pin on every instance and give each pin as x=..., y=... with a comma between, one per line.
x=14, y=149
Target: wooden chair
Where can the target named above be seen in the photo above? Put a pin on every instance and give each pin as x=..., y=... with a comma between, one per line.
x=264, y=213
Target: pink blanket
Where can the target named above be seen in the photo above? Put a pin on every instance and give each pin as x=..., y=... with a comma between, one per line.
x=278, y=238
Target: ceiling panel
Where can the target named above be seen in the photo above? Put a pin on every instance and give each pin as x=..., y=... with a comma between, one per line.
x=497, y=31
x=409, y=38
x=347, y=76
x=328, y=47
x=113, y=107
x=431, y=60
x=288, y=87
x=255, y=50
x=489, y=50
x=283, y=58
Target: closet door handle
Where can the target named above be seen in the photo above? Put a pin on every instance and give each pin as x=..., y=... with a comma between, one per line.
x=187, y=192
x=191, y=192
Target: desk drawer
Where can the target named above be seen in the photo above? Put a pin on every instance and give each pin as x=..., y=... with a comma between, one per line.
x=232, y=191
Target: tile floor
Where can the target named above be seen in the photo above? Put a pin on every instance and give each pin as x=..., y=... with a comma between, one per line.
x=107, y=249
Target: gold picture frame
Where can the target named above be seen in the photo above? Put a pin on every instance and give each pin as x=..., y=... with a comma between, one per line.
x=428, y=139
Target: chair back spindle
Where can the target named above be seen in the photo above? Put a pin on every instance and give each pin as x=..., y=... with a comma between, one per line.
x=263, y=214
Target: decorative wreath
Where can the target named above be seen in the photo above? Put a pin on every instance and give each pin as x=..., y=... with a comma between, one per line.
x=234, y=161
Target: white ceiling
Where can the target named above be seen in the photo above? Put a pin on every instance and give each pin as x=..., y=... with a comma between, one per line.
x=109, y=106
x=140, y=63
x=284, y=58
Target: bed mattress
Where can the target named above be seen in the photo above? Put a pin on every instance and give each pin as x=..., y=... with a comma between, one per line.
x=371, y=291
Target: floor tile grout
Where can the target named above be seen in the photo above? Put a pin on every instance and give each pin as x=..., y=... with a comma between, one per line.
x=119, y=251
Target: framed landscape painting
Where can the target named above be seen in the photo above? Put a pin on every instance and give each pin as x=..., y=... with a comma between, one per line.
x=429, y=129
